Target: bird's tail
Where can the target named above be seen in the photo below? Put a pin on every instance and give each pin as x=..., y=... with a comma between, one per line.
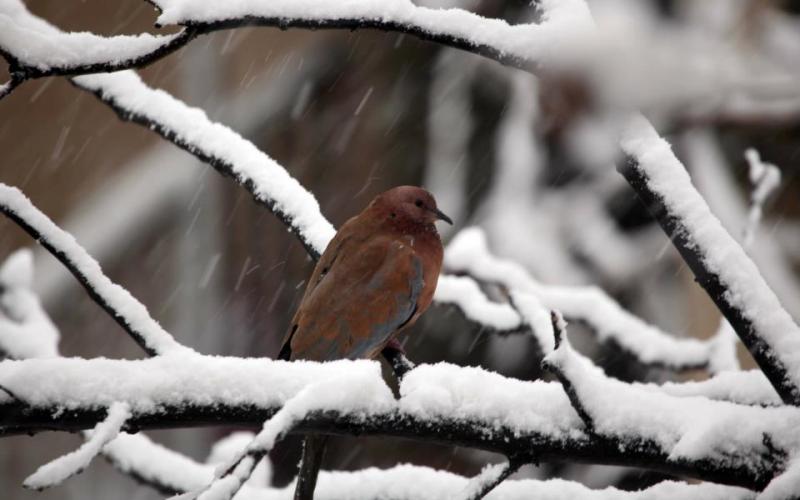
x=313, y=451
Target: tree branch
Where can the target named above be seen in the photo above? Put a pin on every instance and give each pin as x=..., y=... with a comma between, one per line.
x=490, y=477
x=53, y=52
x=719, y=264
x=541, y=426
x=684, y=428
x=128, y=312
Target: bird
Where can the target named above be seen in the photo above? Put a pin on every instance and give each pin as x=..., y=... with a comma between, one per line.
x=374, y=279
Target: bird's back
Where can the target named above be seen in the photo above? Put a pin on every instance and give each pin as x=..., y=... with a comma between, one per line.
x=368, y=284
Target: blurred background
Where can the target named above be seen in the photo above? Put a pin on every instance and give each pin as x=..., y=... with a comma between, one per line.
x=350, y=114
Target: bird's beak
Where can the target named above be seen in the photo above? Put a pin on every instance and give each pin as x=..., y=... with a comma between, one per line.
x=441, y=216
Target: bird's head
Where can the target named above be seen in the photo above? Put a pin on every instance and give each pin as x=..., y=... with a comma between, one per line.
x=410, y=204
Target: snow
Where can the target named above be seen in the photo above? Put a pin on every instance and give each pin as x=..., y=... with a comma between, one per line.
x=227, y=449
x=421, y=483
x=468, y=252
x=687, y=428
x=749, y=387
x=449, y=392
x=490, y=473
x=465, y=293
x=270, y=181
x=68, y=465
x=354, y=392
x=765, y=178
x=134, y=313
x=747, y=290
x=137, y=454
x=172, y=380
x=400, y=482
x=37, y=44
x=562, y=20
x=25, y=329
x=785, y=485
x=428, y=392
x=712, y=175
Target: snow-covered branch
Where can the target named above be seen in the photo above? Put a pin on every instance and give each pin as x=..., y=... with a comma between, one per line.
x=68, y=465
x=26, y=330
x=719, y=264
x=469, y=253
x=764, y=179
x=404, y=482
x=34, y=48
x=682, y=428
x=526, y=420
x=128, y=312
x=219, y=146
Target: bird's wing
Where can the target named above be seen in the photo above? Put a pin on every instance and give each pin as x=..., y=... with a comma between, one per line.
x=324, y=264
x=367, y=292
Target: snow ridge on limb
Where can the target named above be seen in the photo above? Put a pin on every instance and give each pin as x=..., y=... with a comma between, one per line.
x=523, y=46
x=128, y=312
x=489, y=478
x=358, y=391
x=438, y=403
x=469, y=253
x=718, y=262
x=25, y=328
x=684, y=428
x=34, y=48
x=66, y=466
x=219, y=146
x=764, y=179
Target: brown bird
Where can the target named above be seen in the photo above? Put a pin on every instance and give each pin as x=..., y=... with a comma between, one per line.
x=375, y=278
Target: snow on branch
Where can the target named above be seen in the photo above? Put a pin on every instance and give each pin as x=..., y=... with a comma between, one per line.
x=490, y=478
x=170, y=472
x=68, y=465
x=719, y=264
x=524, y=46
x=128, y=312
x=683, y=429
x=219, y=146
x=765, y=179
x=34, y=48
x=465, y=293
x=357, y=391
x=25, y=328
x=469, y=253
x=440, y=403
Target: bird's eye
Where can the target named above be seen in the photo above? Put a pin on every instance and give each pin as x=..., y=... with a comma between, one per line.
x=418, y=203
